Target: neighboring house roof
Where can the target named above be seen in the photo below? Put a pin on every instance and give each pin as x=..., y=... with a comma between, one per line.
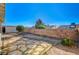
x=64, y=26
x=68, y=26
x=51, y=26
x=77, y=26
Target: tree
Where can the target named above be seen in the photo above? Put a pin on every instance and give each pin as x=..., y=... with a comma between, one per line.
x=20, y=28
x=39, y=22
x=73, y=25
x=40, y=25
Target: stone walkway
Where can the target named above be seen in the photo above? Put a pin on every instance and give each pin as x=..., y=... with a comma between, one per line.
x=24, y=48
x=8, y=41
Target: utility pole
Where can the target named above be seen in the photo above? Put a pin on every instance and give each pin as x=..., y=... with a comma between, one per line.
x=2, y=14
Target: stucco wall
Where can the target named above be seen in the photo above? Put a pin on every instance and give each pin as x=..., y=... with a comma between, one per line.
x=10, y=29
x=58, y=33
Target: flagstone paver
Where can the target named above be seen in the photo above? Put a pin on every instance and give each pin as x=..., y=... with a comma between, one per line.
x=39, y=49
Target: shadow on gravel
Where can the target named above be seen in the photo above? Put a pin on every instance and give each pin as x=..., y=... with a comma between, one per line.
x=50, y=40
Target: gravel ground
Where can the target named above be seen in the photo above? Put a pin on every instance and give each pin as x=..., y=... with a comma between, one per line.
x=29, y=40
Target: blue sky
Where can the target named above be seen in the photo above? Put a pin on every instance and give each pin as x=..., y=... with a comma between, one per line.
x=50, y=13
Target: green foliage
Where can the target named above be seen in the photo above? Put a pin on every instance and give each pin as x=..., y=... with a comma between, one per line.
x=20, y=28
x=67, y=42
x=39, y=25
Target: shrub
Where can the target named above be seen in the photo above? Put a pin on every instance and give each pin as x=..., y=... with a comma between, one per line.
x=67, y=42
x=41, y=26
x=20, y=28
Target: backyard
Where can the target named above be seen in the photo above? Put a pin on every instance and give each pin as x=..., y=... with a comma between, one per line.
x=31, y=44
x=39, y=29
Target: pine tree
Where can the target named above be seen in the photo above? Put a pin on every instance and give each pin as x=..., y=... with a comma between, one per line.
x=39, y=24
